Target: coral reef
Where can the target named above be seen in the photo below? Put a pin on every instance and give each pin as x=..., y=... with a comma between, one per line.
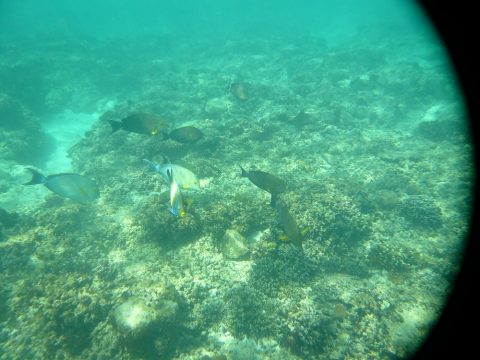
x=378, y=177
x=248, y=312
x=421, y=211
x=285, y=265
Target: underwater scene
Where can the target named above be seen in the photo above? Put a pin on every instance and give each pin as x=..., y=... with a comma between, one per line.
x=227, y=179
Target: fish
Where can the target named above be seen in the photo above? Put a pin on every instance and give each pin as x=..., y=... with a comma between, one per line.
x=239, y=91
x=176, y=199
x=141, y=123
x=288, y=223
x=265, y=181
x=185, y=179
x=76, y=187
x=185, y=134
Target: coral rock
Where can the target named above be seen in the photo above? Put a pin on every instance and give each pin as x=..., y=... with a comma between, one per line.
x=234, y=245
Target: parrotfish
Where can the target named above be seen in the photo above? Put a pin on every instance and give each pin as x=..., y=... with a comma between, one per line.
x=265, y=181
x=141, y=123
x=176, y=200
x=185, y=179
x=73, y=186
x=185, y=134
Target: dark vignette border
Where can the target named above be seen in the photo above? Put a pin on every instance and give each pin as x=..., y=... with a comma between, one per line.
x=454, y=333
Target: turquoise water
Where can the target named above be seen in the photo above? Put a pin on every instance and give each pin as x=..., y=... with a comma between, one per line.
x=342, y=238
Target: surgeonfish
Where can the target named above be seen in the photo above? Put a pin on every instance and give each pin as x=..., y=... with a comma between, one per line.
x=73, y=186
x=265, y=181
x=286, y=220
x=185, y=134
x=176, y=200
x=185, y=179
x=141, y=123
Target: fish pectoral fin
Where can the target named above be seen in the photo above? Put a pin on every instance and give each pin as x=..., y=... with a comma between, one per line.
x=283, y=237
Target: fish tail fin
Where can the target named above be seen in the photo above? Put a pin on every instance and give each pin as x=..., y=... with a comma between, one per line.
x=116, y=125
x=273, y=200
x=37, y=178
x=244, y=173
x=152, y=165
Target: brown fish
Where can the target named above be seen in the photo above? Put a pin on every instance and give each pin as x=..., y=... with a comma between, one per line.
x=288, y=223
x=239, y=91
x=265, y=181
x=141, y=123
x=185, y=134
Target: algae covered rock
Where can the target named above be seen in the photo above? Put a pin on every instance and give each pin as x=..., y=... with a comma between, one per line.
x=234, y=245
x=147, y=323
x=135, y=318
x=140, y=315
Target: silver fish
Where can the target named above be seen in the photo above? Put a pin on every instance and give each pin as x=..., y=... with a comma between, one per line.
x=73, y=186
x=184, y=178
x=176, y=200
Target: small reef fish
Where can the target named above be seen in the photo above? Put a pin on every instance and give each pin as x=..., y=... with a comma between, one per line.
x=176, y=199
x=185, y=179
x=73, y=186
x=265, y=181
x=239, y=91
x=287, y=222
x=185, y=134
x=141, y=123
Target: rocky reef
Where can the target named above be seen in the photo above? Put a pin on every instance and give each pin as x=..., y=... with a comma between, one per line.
x=348, y=129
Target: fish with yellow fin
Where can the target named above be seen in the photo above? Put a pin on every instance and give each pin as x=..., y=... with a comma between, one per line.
x=141, y=123
x=185, y=178
x=185, y=134
x=265, y=181
x=76, y=187
x=177, y=207
x=288, y=223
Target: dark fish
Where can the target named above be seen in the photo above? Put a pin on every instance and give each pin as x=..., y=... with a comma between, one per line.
x=287, y=222
x=185, y=134
x=141, y=123
x=265, y=181
x=239, y=91
x=73, y=186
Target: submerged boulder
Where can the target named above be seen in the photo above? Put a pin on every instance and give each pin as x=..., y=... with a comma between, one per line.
x=147, y=323
x=138, y=315
x=234, y=245
x=134, y=318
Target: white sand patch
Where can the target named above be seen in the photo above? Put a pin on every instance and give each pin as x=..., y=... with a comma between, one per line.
x=68, y=128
